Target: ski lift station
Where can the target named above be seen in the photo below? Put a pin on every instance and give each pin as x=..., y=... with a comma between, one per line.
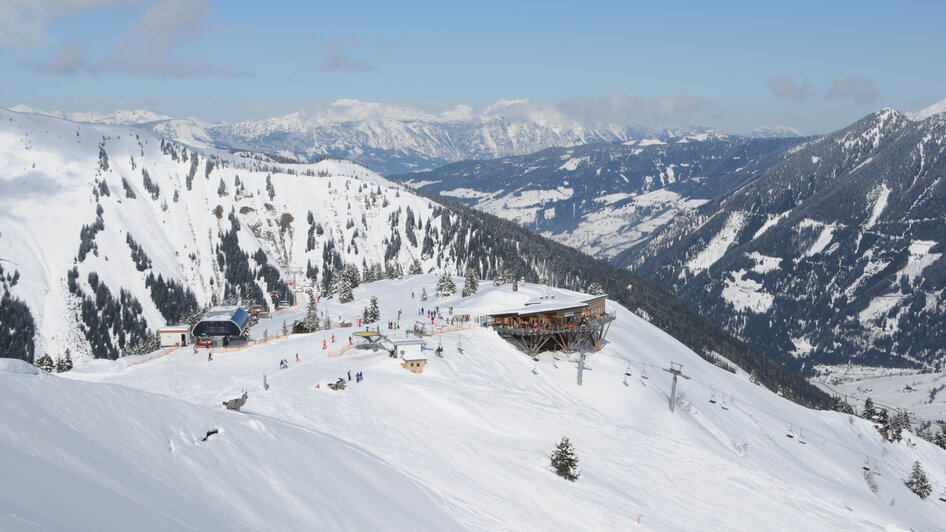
x=574, y=323
x=227, y=322
x=408, y=347
x=175, y=335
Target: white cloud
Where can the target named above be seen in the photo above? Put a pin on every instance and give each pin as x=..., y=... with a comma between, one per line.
x=338, y=56
x=785, y=87
x=861, y=90
x=24, y=22
x=146, y=48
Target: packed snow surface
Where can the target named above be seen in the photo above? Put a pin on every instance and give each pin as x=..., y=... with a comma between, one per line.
x=474, y=431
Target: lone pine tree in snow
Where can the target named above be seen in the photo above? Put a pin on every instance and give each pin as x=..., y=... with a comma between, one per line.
x=423, y=294
x=372, y=312
x=64, y=364
x=565, y=461
x=595, y=289
x=445, y=285
x=918, y=483
x=46, y=363
x=471, y=284
x=869, y=411
x=311, y=322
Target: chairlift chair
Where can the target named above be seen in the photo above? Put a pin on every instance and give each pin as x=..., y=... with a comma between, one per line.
x=791, y=431
x=724, y=406
x=943, y=496
x=713, y=397
x=627, y=372
x=644, y=372
x=866, y=466
x=801, y=436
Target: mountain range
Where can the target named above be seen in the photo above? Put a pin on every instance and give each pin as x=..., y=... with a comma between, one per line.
x=819, y=250
x=396, y=139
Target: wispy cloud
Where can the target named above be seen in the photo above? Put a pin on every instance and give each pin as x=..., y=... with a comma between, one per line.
x=146, y=48
x=785, y=87
x=338, y=56
x=861, y=90
x=24, y=23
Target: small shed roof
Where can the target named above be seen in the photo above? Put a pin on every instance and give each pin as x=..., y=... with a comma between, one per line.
x=409, y=357
x=175, y=328
x=407, y=341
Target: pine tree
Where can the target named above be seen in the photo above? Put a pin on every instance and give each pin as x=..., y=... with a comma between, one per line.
x=918, y=483
x=940, y=438
x=343, y=288
x=471, y=284
x=64, y=364
x=372, y=311
x=46, y=363
x=883, y=424
x=285, y=328
x=595, y=289
x=840, y=405
x=310, y=323
x=423, y=294
x=415, y=268
x=869, y=411
x=754, y=378
x=445, y=285
x=565, y=461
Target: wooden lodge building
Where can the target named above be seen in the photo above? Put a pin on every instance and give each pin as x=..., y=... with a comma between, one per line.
x=576, y=323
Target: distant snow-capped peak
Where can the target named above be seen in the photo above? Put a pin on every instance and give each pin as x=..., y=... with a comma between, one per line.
x=935, y=109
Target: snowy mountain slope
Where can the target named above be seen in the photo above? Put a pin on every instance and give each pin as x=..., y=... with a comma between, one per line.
x=476, y=427
x=834, y=255
x=603, y=199
x=82, y=456
x=89, y=199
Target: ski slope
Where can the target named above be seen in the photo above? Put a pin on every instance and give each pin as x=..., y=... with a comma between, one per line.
x=80, y=456
x=476, y=427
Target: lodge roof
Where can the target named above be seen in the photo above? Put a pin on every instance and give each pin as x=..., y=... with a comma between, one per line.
x=540, y=306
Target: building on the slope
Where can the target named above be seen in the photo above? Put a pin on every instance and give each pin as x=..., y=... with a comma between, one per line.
x=175, y=335
x=223, y=322
x=408, y=347
x=414, y=363
x=574, y=323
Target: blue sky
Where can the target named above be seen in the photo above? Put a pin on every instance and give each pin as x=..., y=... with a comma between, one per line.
x=816, y=66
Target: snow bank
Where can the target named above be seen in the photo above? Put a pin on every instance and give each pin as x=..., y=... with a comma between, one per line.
x=83, y=456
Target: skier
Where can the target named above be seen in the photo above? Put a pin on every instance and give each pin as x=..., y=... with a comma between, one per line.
x=324, y=344
x=297, y=358
x=349, y=340
x=333, y=338
x=349, y=375
x=210, y=356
